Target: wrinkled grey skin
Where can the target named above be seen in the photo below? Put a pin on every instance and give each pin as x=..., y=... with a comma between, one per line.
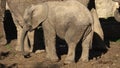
x=69, y=20
x=3, y=40
x=117, y=12
x=17, y=8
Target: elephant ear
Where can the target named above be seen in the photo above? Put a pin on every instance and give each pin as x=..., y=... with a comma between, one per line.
x=36, y=14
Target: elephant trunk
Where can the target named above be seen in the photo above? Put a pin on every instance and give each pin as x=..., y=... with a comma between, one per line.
x=24, y=33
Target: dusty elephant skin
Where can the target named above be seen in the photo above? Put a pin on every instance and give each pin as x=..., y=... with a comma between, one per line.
x=3, y=40
x=17, y=8
x=64, y=19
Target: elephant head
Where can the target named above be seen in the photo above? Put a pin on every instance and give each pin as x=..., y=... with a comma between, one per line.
x=33, y=17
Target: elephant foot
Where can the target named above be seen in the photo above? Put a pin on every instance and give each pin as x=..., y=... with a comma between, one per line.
x=68, y=61
x=84, y=59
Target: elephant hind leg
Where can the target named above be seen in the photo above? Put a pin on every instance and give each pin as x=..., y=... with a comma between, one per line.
x=49, y=35
x=86, y=44
x=72, y=37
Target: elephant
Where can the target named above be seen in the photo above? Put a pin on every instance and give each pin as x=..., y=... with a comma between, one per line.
x=70, y=20
x=17, y=8
x=3, y=40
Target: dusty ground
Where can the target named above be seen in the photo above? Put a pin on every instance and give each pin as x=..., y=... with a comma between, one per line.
x=9, y=58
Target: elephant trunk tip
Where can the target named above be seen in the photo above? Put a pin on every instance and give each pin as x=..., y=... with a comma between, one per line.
x=26, y=55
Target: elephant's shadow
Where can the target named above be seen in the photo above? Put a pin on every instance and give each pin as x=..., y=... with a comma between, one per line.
x=97, y=50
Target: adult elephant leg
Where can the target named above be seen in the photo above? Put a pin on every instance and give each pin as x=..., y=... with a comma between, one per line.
x=49, y=35
x=19, y=30
x=3, y=40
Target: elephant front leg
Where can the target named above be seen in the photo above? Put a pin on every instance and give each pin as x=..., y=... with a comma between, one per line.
x=49, y=35
x=18, y=47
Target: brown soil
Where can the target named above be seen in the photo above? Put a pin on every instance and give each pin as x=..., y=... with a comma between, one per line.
x=9, y=58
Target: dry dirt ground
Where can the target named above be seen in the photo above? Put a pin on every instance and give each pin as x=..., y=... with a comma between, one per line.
x=9, y=58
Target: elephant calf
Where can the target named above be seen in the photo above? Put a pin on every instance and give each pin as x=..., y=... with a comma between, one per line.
x=70, y=20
